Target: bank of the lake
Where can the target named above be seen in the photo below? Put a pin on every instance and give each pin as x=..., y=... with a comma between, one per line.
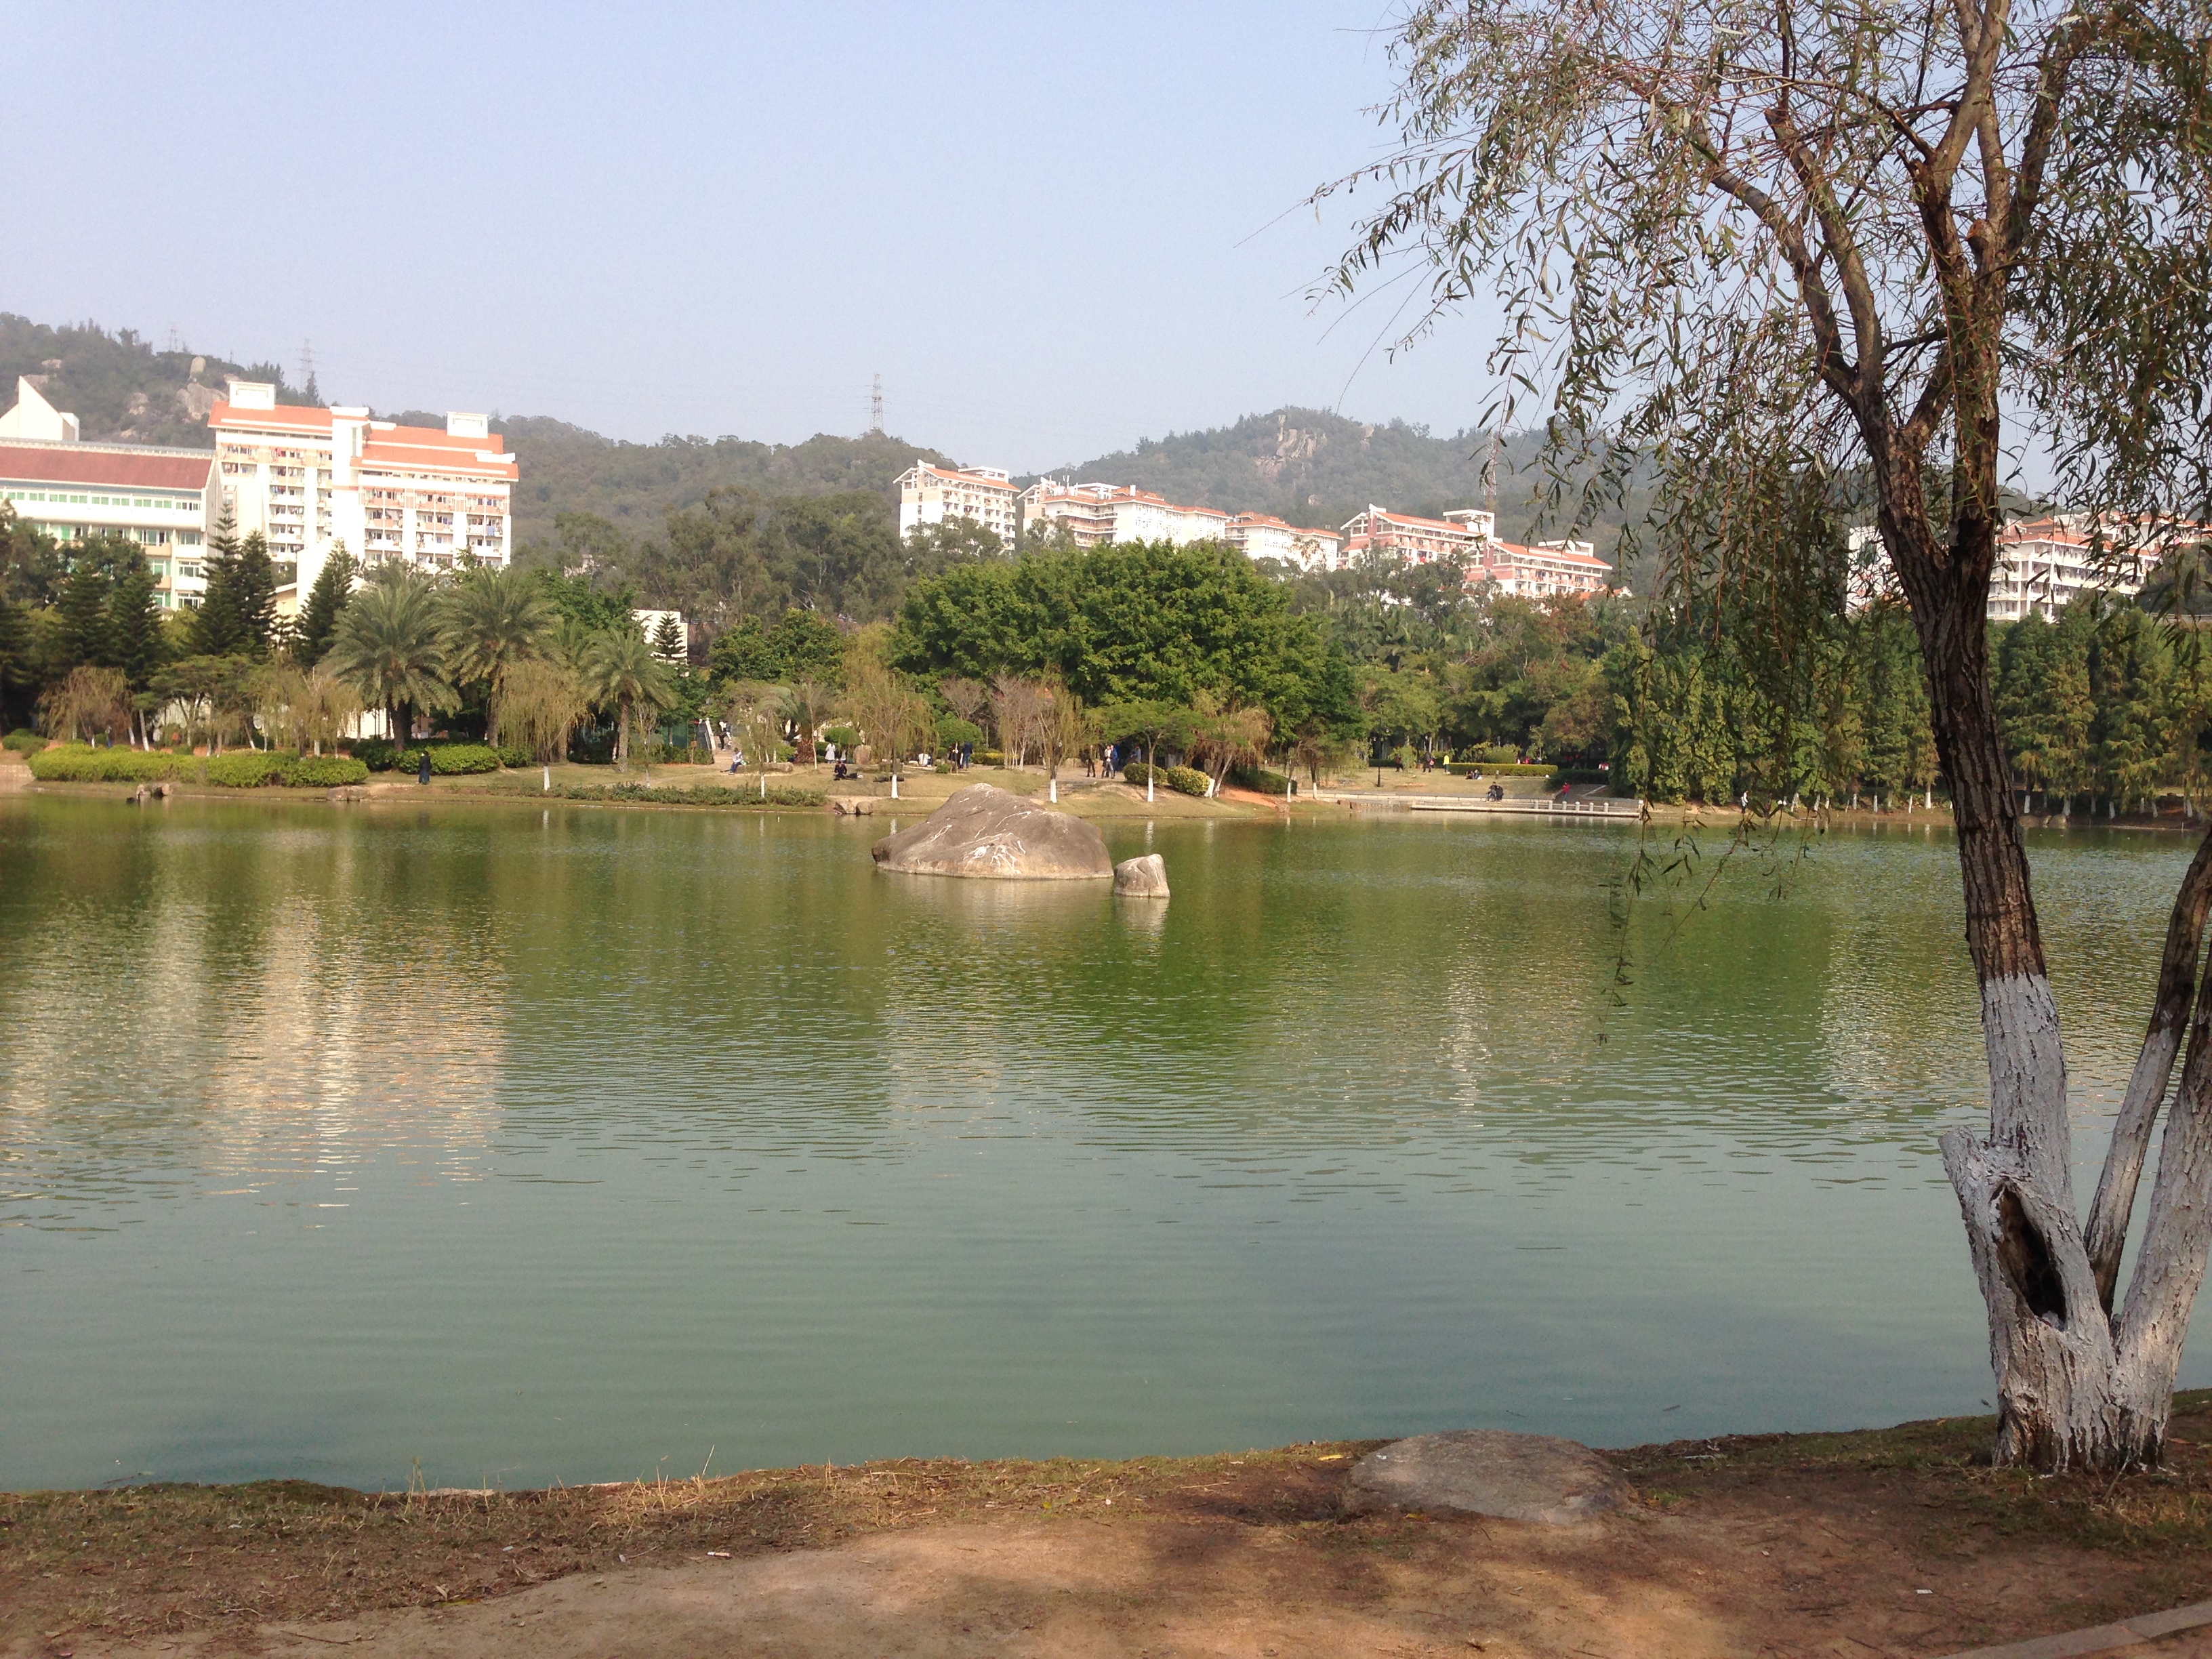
x=1895, y=1541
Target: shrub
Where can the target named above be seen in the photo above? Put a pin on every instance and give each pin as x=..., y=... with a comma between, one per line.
x=1137, y=773
x=1260, y=778
x=247, y=768
x=1461, y=770
x=1187, y=779
x=454, y=759
x=847, y=737
x=694, y=794
x=1581, y=774
x=77, y=762
x=512, y=758
x=23, y=741
x=376, y=754
x=326, y=771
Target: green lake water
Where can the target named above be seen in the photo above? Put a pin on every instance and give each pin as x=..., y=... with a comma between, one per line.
x=583, y=1144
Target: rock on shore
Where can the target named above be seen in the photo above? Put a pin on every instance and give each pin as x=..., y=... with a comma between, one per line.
x=1514, y=1477
x=987, y=831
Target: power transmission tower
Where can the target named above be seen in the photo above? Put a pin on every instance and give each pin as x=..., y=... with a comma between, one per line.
x=308, y=371
x=876, y=407
x=175, y=342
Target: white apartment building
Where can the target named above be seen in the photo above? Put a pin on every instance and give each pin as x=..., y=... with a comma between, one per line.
x=2042, y=565
x=1464, y=534
x=1097, y=512
x=161, y=499
x=1547, y=570
x=1260, y=536
x=307, y=479
x=934, y=495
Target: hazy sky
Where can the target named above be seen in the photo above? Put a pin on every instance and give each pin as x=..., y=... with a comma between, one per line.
x=1052, y=229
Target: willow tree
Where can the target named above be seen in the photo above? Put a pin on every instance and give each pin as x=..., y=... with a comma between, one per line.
x=1762, y=247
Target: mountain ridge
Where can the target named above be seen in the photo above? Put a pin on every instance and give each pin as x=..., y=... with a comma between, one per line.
x=1315, y=468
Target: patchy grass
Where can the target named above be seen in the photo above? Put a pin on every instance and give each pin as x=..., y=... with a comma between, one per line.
x=164, y=1558
x=1916, y=1499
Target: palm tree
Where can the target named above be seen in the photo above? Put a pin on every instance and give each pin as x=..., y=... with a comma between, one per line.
x=805, y=705
x=390, y=647
x=494, y=620
x=621, y=669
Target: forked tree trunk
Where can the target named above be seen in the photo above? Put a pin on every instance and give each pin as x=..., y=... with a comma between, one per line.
x=2078, y=1387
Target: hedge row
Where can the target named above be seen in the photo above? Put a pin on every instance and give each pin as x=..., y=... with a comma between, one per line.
x=1492, y=770
x=242, y=769
x=23, y=741
x=446, y=759
x=77, y=762
x=693, y=794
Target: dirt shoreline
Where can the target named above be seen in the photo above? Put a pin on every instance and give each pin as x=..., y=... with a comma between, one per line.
x=1900, y=1541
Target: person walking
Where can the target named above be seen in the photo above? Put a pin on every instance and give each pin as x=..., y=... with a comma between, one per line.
x=423, y=775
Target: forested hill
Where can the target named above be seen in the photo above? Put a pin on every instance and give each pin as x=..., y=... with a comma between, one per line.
x=565, y=469
x=123, y=388
x=1302, y=465
x=1318, y=469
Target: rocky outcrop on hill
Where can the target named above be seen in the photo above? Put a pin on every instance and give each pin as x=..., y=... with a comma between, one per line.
x=987, y=831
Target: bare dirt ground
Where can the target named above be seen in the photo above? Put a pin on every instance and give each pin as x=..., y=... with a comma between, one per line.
x=1900, y=1542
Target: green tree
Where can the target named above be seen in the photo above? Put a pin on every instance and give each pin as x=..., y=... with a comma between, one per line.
x=254, y=591
x=219, y=625
x=621, y=672
x=136, y=632
x=668, y=639
x=390, y=647
x=87, y=632
x=326, y=601
x=494, y=619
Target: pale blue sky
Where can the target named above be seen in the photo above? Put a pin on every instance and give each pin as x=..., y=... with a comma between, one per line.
x=1053, y=229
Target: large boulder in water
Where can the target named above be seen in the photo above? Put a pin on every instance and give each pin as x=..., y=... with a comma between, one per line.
x=1516, y=1477
x=985, y=831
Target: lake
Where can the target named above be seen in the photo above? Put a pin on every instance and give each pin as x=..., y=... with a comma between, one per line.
x=585, y=1143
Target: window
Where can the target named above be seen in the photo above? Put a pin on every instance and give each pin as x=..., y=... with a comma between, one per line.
x=188, y=539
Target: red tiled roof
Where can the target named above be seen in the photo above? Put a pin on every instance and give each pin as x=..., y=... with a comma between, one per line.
x=389, y=450
x=84, y=464
x=285, y=418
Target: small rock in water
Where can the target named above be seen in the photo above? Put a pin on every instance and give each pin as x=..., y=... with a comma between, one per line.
x=1513, y=1477
x=1144, y=878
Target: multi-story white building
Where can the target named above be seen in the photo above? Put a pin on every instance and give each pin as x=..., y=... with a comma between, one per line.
x=2042, y=564
x=307, y=479
x=1262, y=536
x=1097, y=512
x=1547, y=570
x=935, y=495
x=161, y=499
x=1461, y=535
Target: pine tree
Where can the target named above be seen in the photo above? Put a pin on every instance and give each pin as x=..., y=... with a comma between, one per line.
x=326, y=600
x=218, y=628
x=86, y=637
x=668, y=639
x=134, y=621
x=257, y=595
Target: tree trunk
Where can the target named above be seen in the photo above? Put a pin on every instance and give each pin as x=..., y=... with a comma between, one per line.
x=2076, y=1389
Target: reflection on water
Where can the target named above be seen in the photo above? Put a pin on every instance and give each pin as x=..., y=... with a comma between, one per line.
x=554, y=1143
